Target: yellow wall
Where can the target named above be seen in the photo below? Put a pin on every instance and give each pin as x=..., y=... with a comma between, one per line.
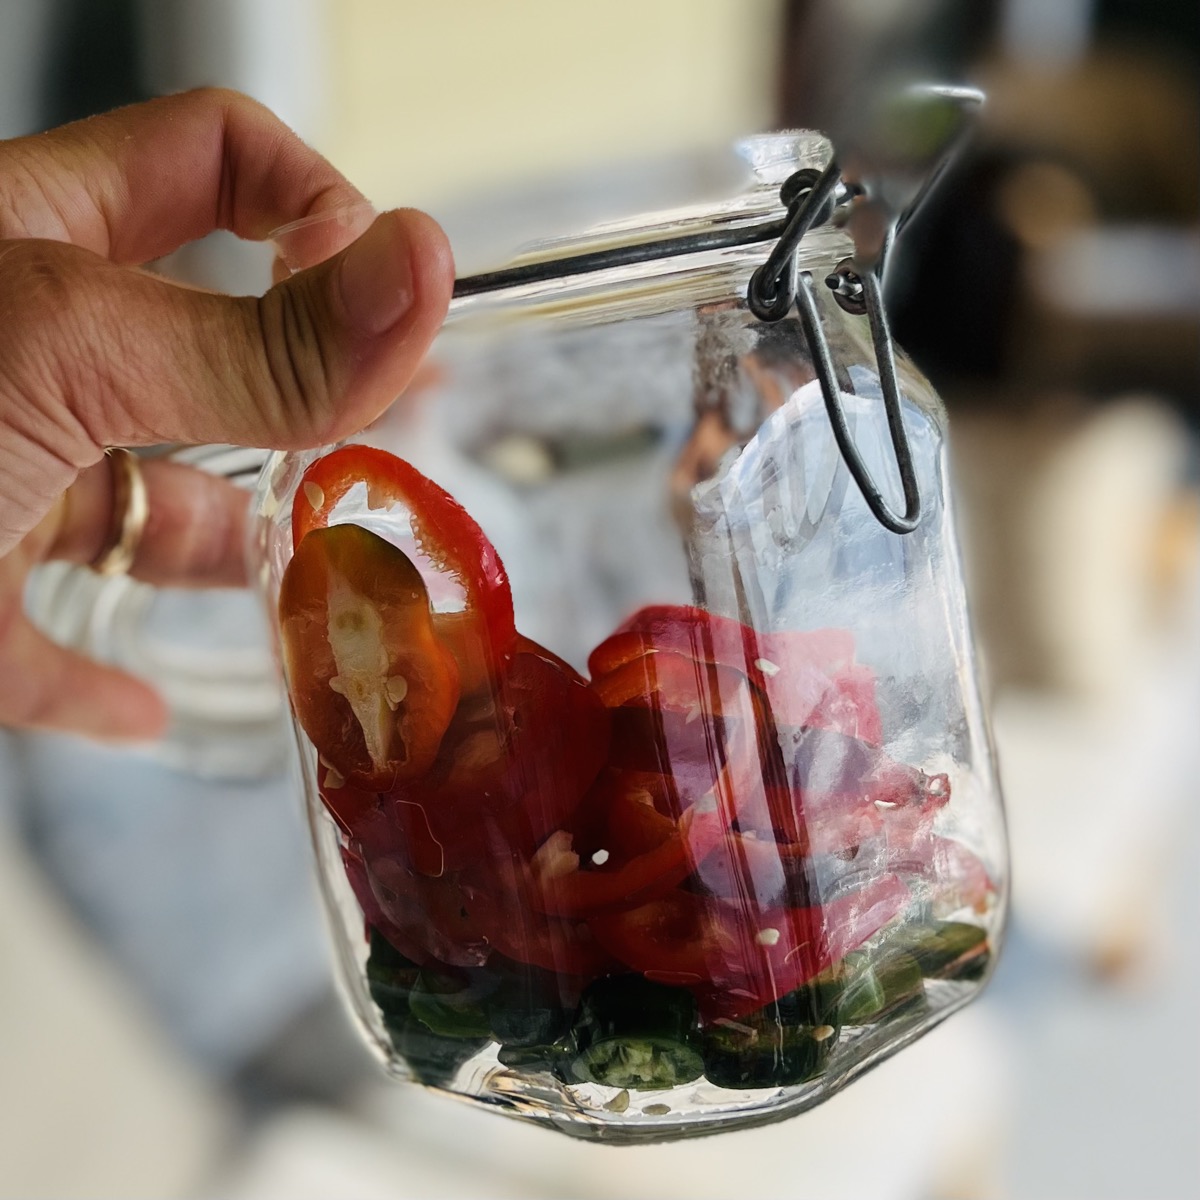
x=436, y=100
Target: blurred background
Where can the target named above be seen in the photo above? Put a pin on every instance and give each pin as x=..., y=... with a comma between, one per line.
x=167, y=1020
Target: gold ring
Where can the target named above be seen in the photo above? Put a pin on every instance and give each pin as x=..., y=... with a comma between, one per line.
x=129, y=512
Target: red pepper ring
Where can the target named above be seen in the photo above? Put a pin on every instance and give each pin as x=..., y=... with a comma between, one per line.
x=502, y=910
x=710, y=637
x=513, y=767
x=559, y=887
x=674, y=715
x=809, y=677
x=446, y=534
x=738, y=959
x=673, y=682
x=562, y=886
x=720, y=710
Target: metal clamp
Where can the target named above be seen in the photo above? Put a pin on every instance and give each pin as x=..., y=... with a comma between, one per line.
x=809, y=197
x=774, y=287
x=881, y=338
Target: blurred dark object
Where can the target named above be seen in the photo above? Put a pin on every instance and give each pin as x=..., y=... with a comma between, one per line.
x=829, y=47
x=1166, y=28
x=94, y=59
x=876, y=77
x=61, y=60
x=1060, y=252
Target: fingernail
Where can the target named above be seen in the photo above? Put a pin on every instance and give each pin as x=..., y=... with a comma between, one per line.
x=376, y=277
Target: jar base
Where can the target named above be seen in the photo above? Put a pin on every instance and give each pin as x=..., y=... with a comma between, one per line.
x=622, y=1117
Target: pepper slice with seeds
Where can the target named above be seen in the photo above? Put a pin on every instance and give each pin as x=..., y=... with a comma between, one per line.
x=370, y=682
x=443, y=539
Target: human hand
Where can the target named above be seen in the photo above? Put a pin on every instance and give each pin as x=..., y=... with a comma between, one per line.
x=95, y=352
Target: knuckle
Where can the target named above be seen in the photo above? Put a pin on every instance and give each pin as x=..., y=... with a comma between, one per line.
x=230, y=109
x=61, y=348
x=296, y=357
x=52, y=339
x=39, y=291
x=39, y=273
x=223, y=99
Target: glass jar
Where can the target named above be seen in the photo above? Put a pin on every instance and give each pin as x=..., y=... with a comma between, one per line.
x=718, y=828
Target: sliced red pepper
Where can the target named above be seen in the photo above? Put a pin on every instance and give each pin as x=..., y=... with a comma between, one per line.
x=740, y=958
x=567, y=883
x=944, y=872
x=710, y=637
x=680, y=629
x=403, y=939
x=838, y=793
x=562, y=885
x=559, y=742
x=352, y=808
x=513, y=925
x=511, y=769
x=664, y=683
x=624, y=815
x=670, y=682
x=674, y=715
x=481, y=634
x=460, y=917
x=438, y=915
x=685, y=752
x=524, y=645
x=632, y=813
x=810, y=678
x=370, y=683
x=672, y=939
x=468, y=639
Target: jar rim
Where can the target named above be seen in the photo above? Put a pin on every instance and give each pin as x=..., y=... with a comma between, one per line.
x=769, y=160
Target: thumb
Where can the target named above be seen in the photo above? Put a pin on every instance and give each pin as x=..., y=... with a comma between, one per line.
x=115, y=356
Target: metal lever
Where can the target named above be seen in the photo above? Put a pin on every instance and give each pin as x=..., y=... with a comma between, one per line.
x=778, y=283
x=881, y=338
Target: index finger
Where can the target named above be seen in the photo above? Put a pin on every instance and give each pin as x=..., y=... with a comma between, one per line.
x=139, y=182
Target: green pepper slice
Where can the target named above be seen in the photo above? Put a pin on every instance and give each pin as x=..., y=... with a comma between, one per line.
x=632, y=1033
x=948, y=949
x=738, y=1055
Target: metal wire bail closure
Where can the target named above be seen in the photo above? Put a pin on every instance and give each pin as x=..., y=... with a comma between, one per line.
x=772, y=289
x=881, y=338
